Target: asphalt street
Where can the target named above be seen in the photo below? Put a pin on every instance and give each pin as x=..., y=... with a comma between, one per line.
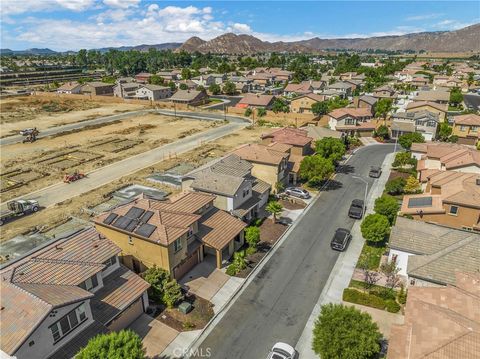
x=276, y=304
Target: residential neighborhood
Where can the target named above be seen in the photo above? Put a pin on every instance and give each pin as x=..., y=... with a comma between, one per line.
x=235, y=193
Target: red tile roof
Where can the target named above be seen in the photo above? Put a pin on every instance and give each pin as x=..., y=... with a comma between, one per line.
x=218, y=228
x=289, y=136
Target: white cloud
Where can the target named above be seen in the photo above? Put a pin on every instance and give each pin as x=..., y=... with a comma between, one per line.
x=13, y=7
x=123, y=4
x=423, y=17
x=450, y=24
x=241, y=28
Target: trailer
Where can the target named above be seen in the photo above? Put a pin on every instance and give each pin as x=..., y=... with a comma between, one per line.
x=18, y=208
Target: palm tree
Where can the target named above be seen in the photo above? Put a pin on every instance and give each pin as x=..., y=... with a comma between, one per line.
x=275, y=208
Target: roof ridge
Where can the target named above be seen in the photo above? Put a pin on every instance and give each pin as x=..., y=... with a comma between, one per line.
x=62, y=261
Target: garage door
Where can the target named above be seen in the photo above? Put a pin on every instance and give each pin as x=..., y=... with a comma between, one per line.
x=183, y=268
x=127, y=316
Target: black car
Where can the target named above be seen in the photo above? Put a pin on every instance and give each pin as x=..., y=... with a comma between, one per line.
x=340, y=240
x=356, y=209
x=375, y=172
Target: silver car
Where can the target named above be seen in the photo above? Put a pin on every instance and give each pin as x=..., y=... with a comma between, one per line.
x=297, y=192
x=282, y=351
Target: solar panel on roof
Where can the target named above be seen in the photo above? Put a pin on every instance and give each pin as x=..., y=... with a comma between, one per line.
x=420, y=202
x=110, y=218
x=122, y=222
x=132, y=225
x=146, y=216
x=145, y=230
x=134, y=212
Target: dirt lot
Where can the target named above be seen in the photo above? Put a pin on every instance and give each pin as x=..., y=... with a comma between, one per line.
x=43, y=112
x=51, y=217
x=31, y=166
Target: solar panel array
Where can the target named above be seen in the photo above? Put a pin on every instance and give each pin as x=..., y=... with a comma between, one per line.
x=135, y=220
x=420, y=202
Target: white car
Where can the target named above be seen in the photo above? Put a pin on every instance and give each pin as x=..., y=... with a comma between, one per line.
x=282, y=351
x=297, y=192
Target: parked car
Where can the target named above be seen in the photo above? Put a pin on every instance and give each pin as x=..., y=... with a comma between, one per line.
x=340, y=240
x=28, y=131
x=297, y=192
x=375, y=172
x=282, y=351
x=356, y=209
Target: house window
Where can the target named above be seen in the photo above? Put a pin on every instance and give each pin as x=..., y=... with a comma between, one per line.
x=190, y=231
x=110, y=262
x=177, y=245
x=90, y=283
x=349, y=121
x=453, y=210
x=463, y=128
x=246, y=192
x=474, y=128
x=130, y=240
x=69, y=322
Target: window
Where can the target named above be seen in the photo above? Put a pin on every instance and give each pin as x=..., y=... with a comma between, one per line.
x=474, y=128
x=90, y=283
x=190, y=231
x=463, y=128
x=453, y=210
x=110, y=262
x=177, y=245
x=130, y=240
x=350, y=121
x=69, y=322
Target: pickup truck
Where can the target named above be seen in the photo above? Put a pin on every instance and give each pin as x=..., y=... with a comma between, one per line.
x=356, y=209
x=18, y=208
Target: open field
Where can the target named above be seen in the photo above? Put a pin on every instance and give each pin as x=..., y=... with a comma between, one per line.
x=46, y=111
x=31, y=166
x=50, y=217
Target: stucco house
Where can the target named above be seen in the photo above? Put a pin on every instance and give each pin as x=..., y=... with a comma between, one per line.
x=153, y=92
x=467, y=128
x=303, y=104
x=424, y=122
x=72, y=87
x=353, y=121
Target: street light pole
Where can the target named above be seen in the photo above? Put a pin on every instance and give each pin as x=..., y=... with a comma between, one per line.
x=396, y=140
x=366, y=191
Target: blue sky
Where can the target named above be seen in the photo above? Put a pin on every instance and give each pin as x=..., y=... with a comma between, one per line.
x=75, y=24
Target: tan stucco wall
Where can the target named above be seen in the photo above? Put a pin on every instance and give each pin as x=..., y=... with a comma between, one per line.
x=266, y=173
x=303, y=104
x=466, y=217
x=441, y=114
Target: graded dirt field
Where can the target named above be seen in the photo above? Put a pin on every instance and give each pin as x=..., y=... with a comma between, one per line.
x=43, y=112
x=51, y=217
x=26, y=167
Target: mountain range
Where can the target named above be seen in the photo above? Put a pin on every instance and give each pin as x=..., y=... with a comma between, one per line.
x=462, y=40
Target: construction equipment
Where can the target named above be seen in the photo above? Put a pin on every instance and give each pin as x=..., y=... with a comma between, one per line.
x=18, y=208
x=75, y=176
x=30, y=134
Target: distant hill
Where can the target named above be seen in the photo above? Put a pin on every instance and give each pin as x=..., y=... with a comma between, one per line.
x=463, y=40
x=165, y=46
x=33, y=51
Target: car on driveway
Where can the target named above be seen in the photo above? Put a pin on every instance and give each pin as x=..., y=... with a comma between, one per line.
x=375, y=172
x=356, y=209
x=297, y=192
x=340, y=240
x=282, y=351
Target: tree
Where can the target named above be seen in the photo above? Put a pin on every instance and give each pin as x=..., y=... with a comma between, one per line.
x=172, y=293
x=315, y=169
x=388, y=206
x=370, y=277
x=156, y=80
x=402, y=159
x=124, y=344
x=320, y=108
x=412, y=185
x=229, y=88
x=391, y=270
x=345, y=332
x=172, y=86
x=456, y=96
x=382, y=132
x=375, y=227
x=444, y=131
x=252, y=236
x=248, y=112
x=186, y=74
x=183, y=86
x=407, y=139
x=275, y=208
x=214, y=89
x=331, y=148
x=156, y=277
x=383, y=107
x=395, y=186
x=261, y=112
x=280, y=105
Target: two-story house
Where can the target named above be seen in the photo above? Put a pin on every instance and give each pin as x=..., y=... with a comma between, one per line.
x=126, y=89
x=153, y=92
x=204, y=80
x=366, y=101
x=434, y=107
x=270, y=162
x=174, y=234
x=72, y=87
x=353, y=121
x=302, y=88
x=424, y=122
x=143, y=77
x=467, y=128
x=56, y=298
x=303, y=104
x=96, y=88
x=437, y=96
x=230, y=180
x=384, y=91
x=344, y=88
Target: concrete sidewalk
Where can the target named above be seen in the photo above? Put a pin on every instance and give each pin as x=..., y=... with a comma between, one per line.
x=344, y=267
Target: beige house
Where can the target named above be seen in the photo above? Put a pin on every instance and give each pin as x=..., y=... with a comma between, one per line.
x=438, y=96
x=189, y=97
x=303, y=104
x=434, y=107
x=97, y=89
x=72, y=87
x=174, y=234
x=353, y=121
x=467, y=128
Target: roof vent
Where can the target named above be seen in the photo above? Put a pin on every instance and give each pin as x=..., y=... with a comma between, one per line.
x=57, y=247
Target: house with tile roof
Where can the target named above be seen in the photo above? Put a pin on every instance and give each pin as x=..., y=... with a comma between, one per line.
x=424, y=122
x=430, y=254
x=143, y=77
x=467, y=128
x=437, y=96
x=72, y=87
x=302, y=88
x=297, y=138
x=441, y=109
x=54, y=299
x=303, y=104
x=353, y=121
x=344, y=88
x=270, y=162
x=153, y=92
x=97, y=88
x=230, y=180
x=251, y=100
x=450, y=198
x=173, y=234
x=451, y=313
x=126, y=89
x=189, y=97
x=366, y=101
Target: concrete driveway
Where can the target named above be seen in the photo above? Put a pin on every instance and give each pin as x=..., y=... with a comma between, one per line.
x=155, y=335
x=205, y=280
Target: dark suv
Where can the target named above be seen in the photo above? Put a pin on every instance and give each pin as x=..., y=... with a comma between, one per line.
x=340, y=240
x=356, y=209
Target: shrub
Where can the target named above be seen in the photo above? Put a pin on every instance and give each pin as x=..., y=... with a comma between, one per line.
x=375, y=227
x=172, y=293
x=252, y=236
x=395, y=186
x=261, y=112
x=251, y=250
x=388, y=206
x=382, y=132
x=412, y=185
x=402, y=295
x=357, y=297
x=384, y=293
x=248, y=112
x=392, y=306
x=354, y=141
x=403, y=159
x=407, y=139
x=124, y=344
x=231, y=270
x=156, y=277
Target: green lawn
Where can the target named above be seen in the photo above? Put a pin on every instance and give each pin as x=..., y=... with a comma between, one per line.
x=357, y=284
x=374, y=253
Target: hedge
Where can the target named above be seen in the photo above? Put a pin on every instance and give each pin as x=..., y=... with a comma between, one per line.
x=392, y=306
x=357, y=297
